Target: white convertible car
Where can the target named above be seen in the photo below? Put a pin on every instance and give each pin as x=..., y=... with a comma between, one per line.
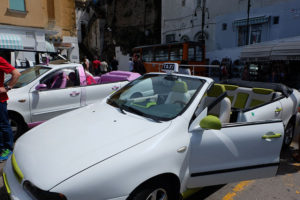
x=46, y=91
x=155, y=138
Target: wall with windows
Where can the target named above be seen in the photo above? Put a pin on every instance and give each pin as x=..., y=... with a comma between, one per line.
x=270, y=22
x=28, y=13
x=181, y=19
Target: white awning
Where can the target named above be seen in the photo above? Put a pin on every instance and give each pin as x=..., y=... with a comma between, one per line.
x=50, y=47
x=284, y=49
x=10, y=41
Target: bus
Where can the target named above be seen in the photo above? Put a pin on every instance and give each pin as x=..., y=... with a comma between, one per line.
x=184, y=53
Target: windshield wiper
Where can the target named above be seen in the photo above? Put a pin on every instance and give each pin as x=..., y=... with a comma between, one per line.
x=114, y=103
x=136, y=111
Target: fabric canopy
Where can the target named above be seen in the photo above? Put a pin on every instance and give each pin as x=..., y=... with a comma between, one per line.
x=283, y=49
x=10, y=41
x=253, y=20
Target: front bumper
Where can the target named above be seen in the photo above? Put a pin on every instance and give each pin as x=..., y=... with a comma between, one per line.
x=13, y=187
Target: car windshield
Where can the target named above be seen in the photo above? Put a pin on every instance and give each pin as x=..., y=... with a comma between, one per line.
x=157, y=96
x=28, y=75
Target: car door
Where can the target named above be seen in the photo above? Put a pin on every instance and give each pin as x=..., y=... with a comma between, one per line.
x=61, y=95
x=268, y=111
x=97, y=92
x=238, y=151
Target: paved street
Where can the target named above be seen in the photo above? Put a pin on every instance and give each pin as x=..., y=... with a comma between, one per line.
x=285, y=186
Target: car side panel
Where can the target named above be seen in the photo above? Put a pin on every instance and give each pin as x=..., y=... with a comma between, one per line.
x=94, y=93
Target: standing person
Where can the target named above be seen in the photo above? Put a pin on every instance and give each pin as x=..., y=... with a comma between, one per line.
x=138, y=65
x=6, y=134
x=87, y=63
x=96, y=66
x=114, y=64
x=130, y=64
x=183, y=68
x=245, y=75
x=104, y=66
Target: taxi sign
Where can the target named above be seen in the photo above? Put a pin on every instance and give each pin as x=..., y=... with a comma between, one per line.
x=170, y=68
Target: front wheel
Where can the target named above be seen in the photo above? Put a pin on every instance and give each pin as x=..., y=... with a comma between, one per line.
x=17, y=126
x=155, y=192
x=288, y=134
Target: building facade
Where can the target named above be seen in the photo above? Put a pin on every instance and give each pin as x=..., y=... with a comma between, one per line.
x=225, y=24
x=112, y=28
x=28, y=29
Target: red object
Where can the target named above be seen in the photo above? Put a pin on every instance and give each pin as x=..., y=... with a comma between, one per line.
x=6, y=68
x=96, y=64
x=90, y=80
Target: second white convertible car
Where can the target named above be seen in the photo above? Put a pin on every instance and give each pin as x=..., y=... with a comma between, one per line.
x=155, y=138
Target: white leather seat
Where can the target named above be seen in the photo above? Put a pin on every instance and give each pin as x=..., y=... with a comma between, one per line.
x=179, y=93
x=222, y=109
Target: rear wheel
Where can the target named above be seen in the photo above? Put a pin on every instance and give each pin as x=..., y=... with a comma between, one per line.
x=288, y=134
x=17, y=125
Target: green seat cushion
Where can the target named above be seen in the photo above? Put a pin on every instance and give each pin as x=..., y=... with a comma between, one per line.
x=241, y=100
x=216, y=90
x=230, y=87
x=180, y=86
x=256, y=102
x=262, y=91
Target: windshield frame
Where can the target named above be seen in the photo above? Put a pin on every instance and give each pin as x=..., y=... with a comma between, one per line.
x=146, y=115
x=31, y=68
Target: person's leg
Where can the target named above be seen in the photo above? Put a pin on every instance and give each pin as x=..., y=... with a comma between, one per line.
x=6, y=134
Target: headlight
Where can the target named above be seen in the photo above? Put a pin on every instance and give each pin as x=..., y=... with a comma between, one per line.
x=41, y=194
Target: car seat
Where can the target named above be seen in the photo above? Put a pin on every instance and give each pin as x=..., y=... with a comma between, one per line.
x=223, y=108
x=179, y=93
x=59, y=81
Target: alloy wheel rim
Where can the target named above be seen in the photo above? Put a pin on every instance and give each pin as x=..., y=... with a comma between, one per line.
x=158, y=194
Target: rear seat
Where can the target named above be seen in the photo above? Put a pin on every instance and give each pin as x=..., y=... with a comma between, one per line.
x=242, y=97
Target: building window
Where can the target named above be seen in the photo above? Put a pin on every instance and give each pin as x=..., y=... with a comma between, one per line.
x=183, y=2
x=276, y=20
x=18, y=5
x=224, y=27
x=255, y=32
x=50, y=9
x=199, y=3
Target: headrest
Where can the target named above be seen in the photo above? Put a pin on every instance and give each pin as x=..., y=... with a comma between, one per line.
x=230, y=87
x=262, y=91
x=216, y=90
x=180, y=86
x=72, y=76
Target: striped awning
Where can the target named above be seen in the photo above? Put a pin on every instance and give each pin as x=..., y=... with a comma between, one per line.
x=253, y=20
x=10, y=41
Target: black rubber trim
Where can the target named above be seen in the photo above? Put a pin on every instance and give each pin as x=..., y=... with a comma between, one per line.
x=234, y=169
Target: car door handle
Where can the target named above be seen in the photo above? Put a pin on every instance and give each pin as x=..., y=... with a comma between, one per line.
x=278, y=110
x=269, y=136
x=74, y=94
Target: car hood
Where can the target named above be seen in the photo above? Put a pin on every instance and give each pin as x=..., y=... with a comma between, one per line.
x=70, y=143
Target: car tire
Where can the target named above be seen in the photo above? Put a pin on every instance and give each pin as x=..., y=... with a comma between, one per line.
x=17, y=125
x=288, y=134
x=158, y=191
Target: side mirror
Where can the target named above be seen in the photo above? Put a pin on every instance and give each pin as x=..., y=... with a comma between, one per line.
x=41, y=87
x=211, y=122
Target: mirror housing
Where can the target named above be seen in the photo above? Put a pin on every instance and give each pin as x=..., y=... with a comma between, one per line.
x=41, y=87
x=211, y=122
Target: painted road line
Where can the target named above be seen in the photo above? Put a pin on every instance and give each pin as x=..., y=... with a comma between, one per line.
x=238, y=188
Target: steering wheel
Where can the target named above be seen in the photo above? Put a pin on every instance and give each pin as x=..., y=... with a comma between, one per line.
x=181, y=103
